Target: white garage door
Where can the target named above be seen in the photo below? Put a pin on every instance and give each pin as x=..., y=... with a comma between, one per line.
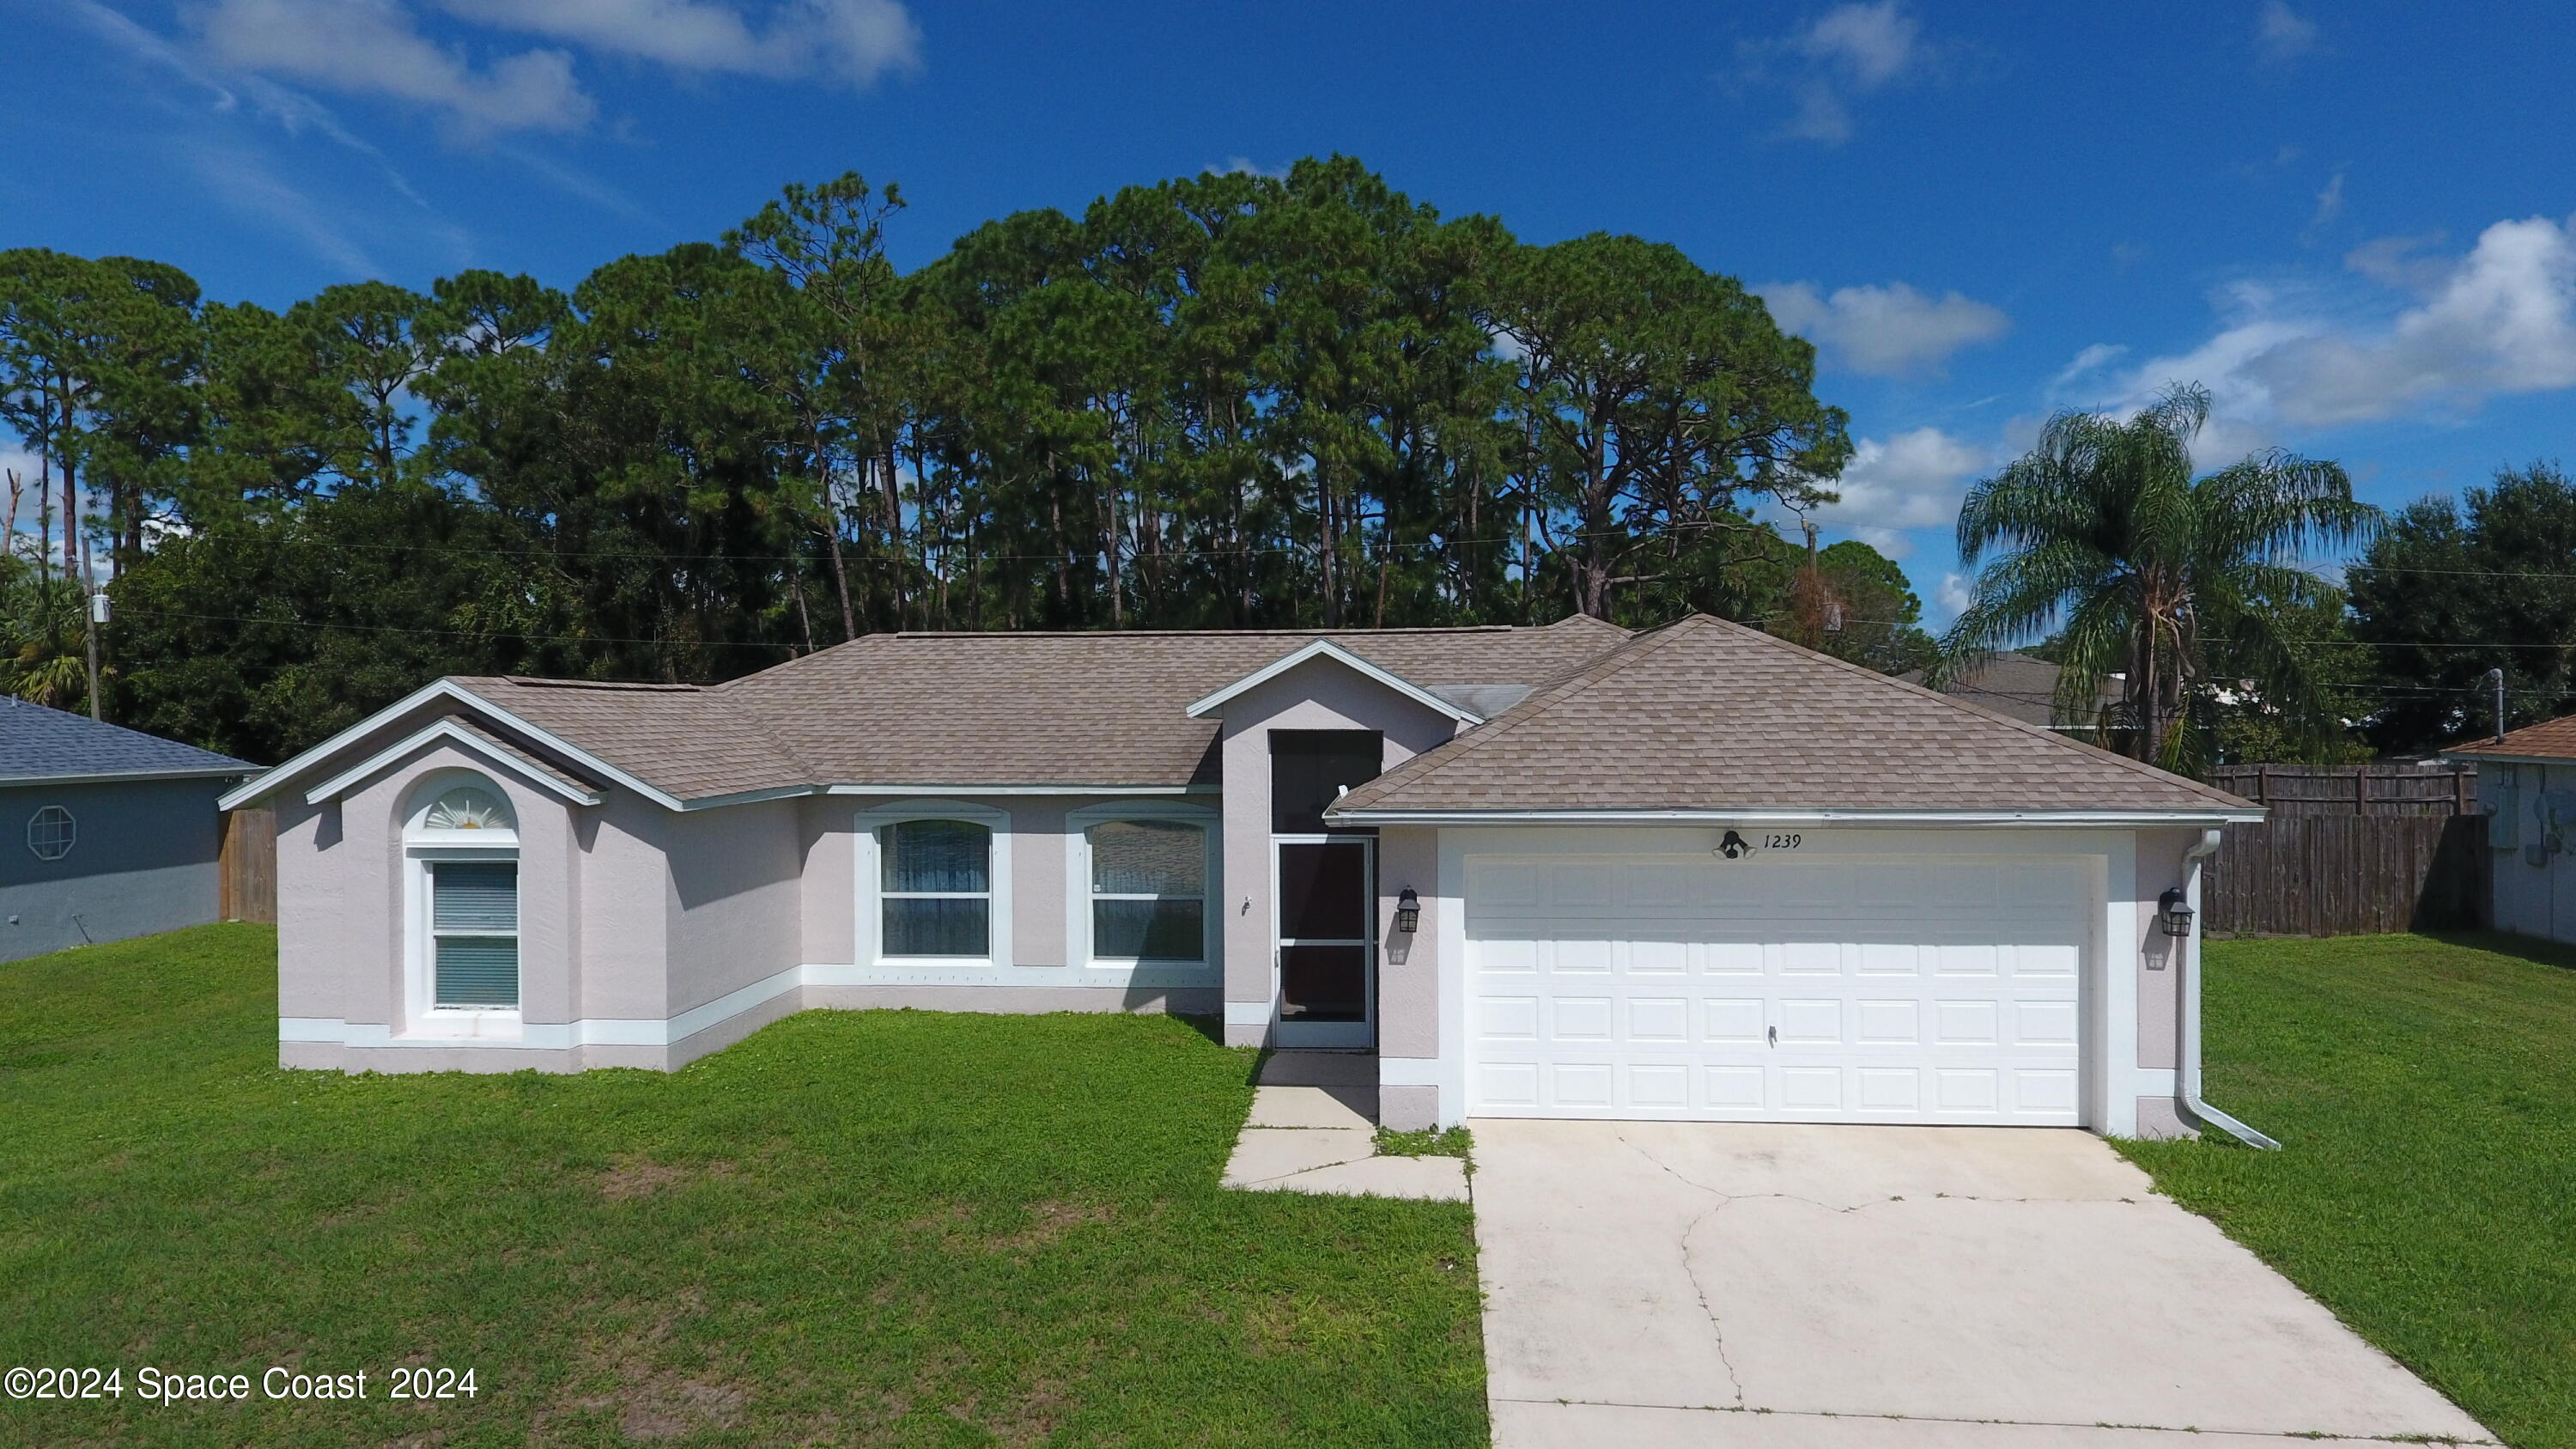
x=1785, y=986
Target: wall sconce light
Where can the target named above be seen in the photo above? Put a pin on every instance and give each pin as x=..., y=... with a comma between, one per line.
x=2175, y=915
x=1408, y=911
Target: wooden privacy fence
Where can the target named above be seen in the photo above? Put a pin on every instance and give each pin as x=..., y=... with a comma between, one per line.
x=246, y=867
x=2350, y=851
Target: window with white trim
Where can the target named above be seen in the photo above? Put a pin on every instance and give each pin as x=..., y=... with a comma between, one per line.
x=935, y=889
x=1148, y=890
x=51, y=833
x=461, y=847
x=474, y=934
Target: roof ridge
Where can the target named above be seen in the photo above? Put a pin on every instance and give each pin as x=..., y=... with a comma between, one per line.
x=1610, y=661
x=2037, y=731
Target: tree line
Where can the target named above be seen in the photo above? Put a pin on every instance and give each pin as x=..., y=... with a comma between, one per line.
x=1223, y=401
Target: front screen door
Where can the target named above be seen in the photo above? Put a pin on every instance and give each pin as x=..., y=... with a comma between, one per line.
x=1327, y=942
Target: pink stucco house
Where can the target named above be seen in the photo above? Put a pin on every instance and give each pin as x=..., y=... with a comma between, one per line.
x=1696, y=872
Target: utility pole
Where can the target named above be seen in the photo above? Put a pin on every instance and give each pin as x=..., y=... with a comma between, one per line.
x=93, y=614
x=2495, y=681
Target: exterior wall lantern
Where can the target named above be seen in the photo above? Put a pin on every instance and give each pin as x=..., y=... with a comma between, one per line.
x=2171, y=910
x=1408, y=911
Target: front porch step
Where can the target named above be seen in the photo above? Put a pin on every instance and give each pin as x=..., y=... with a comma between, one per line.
x=1319, y=1069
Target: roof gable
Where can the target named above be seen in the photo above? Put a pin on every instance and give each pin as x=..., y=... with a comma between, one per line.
x=1708, y=716
x=1326, y=649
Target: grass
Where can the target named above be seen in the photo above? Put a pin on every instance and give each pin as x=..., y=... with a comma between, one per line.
x=881, y=1228
x=2425, y=1093
x=1428, y=1142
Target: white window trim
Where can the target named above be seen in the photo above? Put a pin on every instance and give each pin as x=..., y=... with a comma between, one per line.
x=1077, y=891
x=870, y=894
x=423, y=1018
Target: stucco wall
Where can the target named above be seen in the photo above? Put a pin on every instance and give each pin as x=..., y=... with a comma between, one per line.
x=1408, y=991
x=341, y=912
x=142, y=860
x=735, y=875
x=1317, y=695
x=2154, y=956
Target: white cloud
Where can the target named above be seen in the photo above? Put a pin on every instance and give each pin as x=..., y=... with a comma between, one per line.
x=1852, y=49
x=1912, y=480
x=2100, y=354
x=241, y=180
x=2281, y=34
x=1891, y=331
x=2329, y=204
x=1954, y=595
x=1872, y=44
x=2500, y=320
x=855, y=40
x=378, y=48
x=371, y=47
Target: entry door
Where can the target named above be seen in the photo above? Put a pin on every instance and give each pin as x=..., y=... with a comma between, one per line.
x=1327, y=941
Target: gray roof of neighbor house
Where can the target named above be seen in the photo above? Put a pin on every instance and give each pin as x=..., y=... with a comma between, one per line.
x=998, y=709
x=38, y=743
x=2553, y=739
x=1704, y=715
x=2019, y=686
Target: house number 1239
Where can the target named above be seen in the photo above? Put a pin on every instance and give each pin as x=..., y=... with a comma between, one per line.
x=1781, y=842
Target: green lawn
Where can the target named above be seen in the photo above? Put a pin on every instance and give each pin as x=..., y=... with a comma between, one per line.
x=2425, y=1093
x=871, y=1228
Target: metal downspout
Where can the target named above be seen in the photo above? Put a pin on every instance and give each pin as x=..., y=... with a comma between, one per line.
x=2194, y=1111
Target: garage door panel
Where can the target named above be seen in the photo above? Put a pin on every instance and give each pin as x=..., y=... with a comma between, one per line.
x=1507, y=1018
x=1733, y=1019
x=1577, y=957
x=1580, y=1019
x=1926, y=992
x=1891, y=1023
x=1658, y=1019
x=1810, y=1022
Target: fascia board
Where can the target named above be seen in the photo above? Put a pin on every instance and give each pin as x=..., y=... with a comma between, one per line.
x=312, y=759
x=134, y=777
x=449, y=731
x=1327, y=649
x=954, y=788
x=2067, y=818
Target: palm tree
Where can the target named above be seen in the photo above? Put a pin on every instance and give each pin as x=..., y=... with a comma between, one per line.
x=2102, y=533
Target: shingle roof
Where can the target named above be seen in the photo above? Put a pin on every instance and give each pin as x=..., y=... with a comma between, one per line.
x=991, y=709
x=2017, y=686
x=1707, y=715
x=41, y=743
x=688, y=741
x=2548, y=740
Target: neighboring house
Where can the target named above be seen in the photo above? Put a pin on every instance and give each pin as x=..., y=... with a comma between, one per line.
x=2019, y=686
x=1697, y=872
x=2527, y=789
x=104, y=833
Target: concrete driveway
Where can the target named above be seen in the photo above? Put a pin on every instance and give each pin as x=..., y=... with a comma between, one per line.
x=1702, y=1284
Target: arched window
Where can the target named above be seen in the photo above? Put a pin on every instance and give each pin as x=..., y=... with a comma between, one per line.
x=934, y=886
x=463, y=847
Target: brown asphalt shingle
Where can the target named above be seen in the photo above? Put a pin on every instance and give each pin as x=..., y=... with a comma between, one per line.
x=1707, y=715
x=990, y=709
x=2553, y=739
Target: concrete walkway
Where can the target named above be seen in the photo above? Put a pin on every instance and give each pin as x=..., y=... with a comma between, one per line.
x=1314, y=1129
x=1699, y=1284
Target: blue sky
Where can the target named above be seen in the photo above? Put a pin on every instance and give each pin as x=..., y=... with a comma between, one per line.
x=2352, y=222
